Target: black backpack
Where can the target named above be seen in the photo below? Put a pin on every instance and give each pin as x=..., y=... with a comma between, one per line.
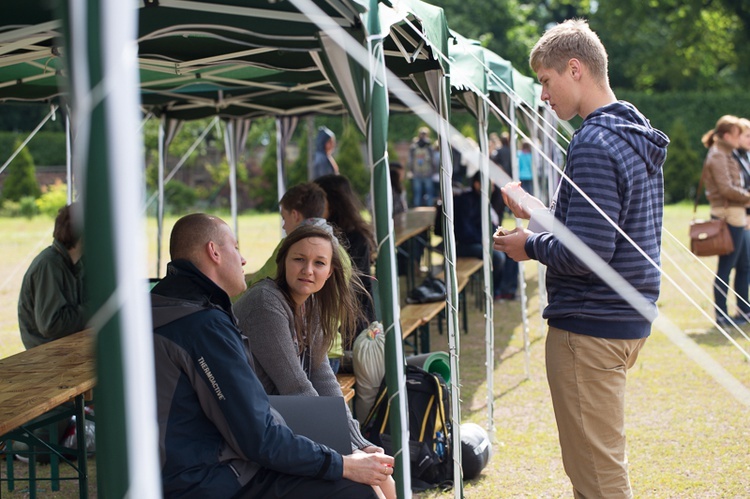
x=428, y=404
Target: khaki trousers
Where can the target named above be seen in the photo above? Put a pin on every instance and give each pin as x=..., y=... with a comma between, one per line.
x=586, y=377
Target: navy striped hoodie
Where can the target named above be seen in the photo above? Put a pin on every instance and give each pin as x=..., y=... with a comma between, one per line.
x=616, y=158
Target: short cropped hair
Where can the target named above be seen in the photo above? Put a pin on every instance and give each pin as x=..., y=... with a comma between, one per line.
x=65, y=231
x=191, y=233
x=572, y=39
x=307, y=198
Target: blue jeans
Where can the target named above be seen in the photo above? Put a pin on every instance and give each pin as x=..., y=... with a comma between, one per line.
x=335, y=363
x=509, y=285
x=424, y=191
x=737, y=260
x=498, y=259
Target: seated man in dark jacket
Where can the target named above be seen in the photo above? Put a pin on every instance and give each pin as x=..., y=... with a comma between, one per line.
x=51, y=301
x=218, y=437
x=467, y=209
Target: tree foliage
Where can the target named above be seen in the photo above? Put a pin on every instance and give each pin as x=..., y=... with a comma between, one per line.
x=351, y=161
x=21, y=180
x=669, y=45
x=683, y=167
x=659, y=45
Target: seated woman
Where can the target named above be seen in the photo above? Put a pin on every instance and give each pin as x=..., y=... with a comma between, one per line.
x=291, y=321
x=345, y=214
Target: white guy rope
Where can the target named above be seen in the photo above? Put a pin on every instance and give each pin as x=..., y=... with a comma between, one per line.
x=30, y=136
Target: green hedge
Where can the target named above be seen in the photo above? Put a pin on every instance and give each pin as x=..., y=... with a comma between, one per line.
x=47, y=148
x=687, y=115
x=698, y=111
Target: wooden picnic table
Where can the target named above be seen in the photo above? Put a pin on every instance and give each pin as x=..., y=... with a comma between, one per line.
x=409, y=226
x=412, y=223
x=36, y=381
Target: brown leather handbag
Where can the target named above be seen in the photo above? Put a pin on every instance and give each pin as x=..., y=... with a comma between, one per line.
x=709, y=237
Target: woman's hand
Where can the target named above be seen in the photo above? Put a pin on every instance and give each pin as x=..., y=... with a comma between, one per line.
x=372, y=469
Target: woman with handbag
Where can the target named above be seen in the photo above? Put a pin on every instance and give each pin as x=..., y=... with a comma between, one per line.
x=727, y=195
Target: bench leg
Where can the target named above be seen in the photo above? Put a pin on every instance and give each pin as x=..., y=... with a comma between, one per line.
x=465, y=313
x=424, y=340
x=9, y=464
x=83, y=475
x=54, y=459
x=32, y=472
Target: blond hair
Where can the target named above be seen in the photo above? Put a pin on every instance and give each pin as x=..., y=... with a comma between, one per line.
x=725, y=125
x=572, y=39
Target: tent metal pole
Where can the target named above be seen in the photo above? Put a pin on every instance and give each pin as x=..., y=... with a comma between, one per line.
x=160, y=191
x=100, y=43
x=521, y=270
x=377, y=140
x=489, y=305
x=230, y=144
x=68, y=159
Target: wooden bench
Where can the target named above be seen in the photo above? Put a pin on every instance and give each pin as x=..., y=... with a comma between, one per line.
x=418, y=316
x=40, y=380
x=466, y=267
x=346, y=381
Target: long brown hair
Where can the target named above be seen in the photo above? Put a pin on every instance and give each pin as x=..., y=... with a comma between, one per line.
x=725, y=125
x=344, y=207
x=335, y=304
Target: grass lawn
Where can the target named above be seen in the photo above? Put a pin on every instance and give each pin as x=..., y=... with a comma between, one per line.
x=687, y=435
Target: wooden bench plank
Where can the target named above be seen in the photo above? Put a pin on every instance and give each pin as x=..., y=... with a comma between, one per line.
x=346, y=381
x=417, y=314
x=42, y=378
x=465, y=267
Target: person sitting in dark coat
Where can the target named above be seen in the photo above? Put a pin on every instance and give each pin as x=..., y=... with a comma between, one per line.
x=51, y=301
x=467, y=209
x=218, y=436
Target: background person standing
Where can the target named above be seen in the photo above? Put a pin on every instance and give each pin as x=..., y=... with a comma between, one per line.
x=420, y=169
x=728, y=195
x=323, y=162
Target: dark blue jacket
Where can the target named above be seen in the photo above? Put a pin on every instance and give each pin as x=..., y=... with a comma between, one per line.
x=467, y=224
x=616, y=158
x=216, y=429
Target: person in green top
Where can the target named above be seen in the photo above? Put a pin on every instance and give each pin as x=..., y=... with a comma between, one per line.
x=51, y=301
x=305, y=204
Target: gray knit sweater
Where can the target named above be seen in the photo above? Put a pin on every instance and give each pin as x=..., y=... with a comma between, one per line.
x=268, y=321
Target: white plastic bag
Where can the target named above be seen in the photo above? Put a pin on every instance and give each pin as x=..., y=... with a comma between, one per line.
x=368, y=361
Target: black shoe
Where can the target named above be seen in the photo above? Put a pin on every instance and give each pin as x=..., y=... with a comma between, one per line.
x=737, y=320
x=740, y=320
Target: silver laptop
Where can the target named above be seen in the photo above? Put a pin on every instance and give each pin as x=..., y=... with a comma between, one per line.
x=321, y=419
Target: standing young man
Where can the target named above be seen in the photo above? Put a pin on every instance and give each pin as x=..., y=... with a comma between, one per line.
x=595, y=334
